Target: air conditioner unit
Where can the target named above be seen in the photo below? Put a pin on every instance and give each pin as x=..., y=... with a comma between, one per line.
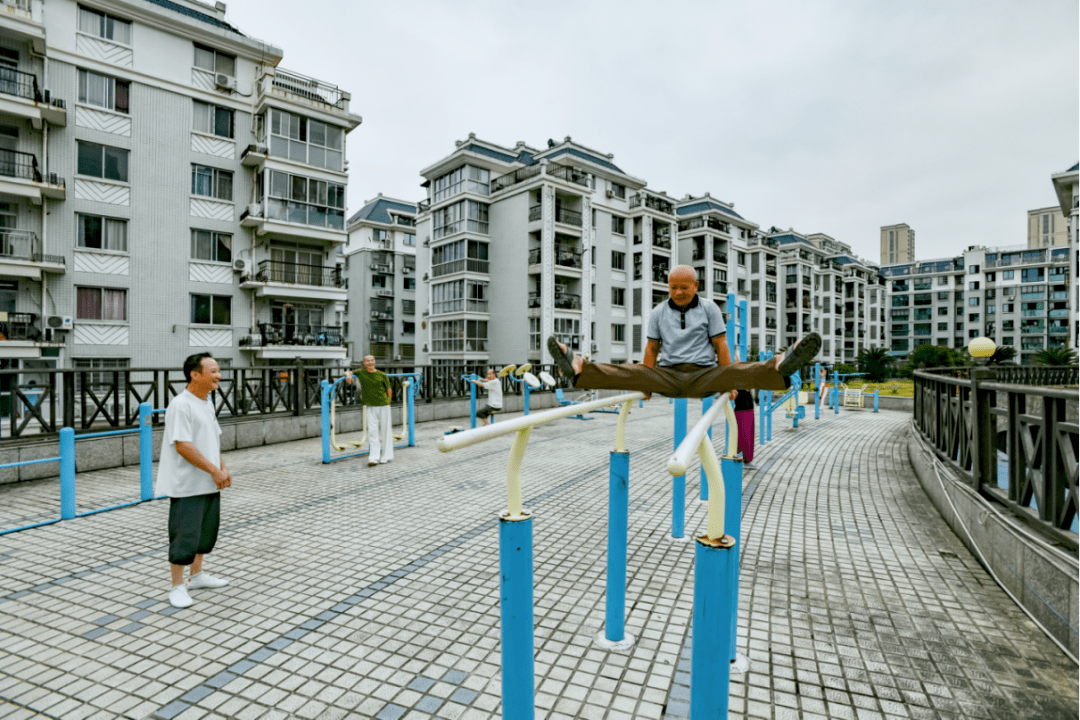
x=425, y=277
x=255, y=210
x=240, y=265
x=382, y=338
x=225, y=82
x=397, y=358
x=611, y=193
x=595, y=347
x=406, y=270
x=559, y=288
x=374, y=313
x=60, y=322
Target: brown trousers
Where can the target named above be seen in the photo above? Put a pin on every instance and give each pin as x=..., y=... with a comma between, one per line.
x=681, y=381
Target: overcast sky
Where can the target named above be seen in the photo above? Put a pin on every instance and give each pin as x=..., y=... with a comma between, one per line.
x=834, y=117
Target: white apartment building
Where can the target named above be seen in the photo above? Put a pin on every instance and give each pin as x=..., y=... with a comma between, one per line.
x=1047, y=227
x=897, y=244
x=165, y=188
x=381, y=276
x=1067, y=188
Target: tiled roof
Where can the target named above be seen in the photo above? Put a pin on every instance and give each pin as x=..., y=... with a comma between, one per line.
x=706, y=205
x=378, y=211
x=526, y=158
x=194, y=14
x=1074, y=168
x=602, y=162
x=481, y=150
x=789, y=238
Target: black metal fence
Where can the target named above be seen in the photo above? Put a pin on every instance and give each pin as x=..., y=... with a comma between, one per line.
x=1010, y=436
x=40, y=402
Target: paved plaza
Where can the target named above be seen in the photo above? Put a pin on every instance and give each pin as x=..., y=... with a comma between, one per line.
x=363, y=592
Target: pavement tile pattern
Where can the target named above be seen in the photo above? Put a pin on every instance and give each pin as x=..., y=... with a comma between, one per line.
x=373, y=592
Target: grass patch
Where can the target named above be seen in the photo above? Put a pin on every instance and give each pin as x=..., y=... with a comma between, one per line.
x=889, y=388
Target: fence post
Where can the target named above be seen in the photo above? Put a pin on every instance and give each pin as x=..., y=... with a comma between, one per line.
x=983, y=465
x=713, y=605
x=706, y=404
x=876, y=398
x=324, y=391
x=69, y=399
x=146, y=452
x=298, y=378
x=67, y=473
x=614, y=634
x=412, y=414
x=516, y=611
x=678, y=483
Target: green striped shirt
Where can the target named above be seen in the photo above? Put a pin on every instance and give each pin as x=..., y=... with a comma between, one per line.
x=373, y=387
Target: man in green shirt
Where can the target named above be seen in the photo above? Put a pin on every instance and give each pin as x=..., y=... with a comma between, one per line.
x=375, y=394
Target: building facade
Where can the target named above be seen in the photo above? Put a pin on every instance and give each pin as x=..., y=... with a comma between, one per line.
x=1067, y=189
x=166, y=188
x=381, y=278
x=1047, y=227
x=897, y=244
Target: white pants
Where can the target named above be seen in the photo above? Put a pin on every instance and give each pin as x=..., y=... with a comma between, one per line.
x=380, y=434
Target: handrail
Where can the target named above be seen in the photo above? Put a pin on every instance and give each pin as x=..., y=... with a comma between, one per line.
x=363, y=438
x=696, y=442
x=523, y=427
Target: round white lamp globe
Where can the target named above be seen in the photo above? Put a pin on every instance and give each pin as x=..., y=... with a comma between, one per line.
x=982, y=347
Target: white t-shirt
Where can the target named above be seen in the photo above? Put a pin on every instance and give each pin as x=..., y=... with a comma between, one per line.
x=494, y=393
x=188, y=419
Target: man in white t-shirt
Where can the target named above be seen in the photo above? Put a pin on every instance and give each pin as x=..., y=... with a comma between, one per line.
x=192, y=474
x=493, y=385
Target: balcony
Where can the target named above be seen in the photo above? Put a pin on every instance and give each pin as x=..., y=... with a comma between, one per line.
x=1059, y=313
x=567, y=217
x=463, y=265
x=1057, y=295
x=21, y=336
x=292, y=280
x=285, y=341
x=518, y=176
x=314, y=96
x=567, y=302
x=1059, y=330
x=662, y=240
x=20, y=175
x=20, y=256
x=20, y=96
x=458, y=305
x=770, y=323
x=700, y=222
x=563, y=258
x=719, y=257
x=660, y=274
x=770, y=270
x=652, y=202
x=770, y=297
x=17, y=20
x=286, y=219
x=535, y=213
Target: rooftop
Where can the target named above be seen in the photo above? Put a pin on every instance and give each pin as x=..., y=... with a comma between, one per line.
x=379, y=209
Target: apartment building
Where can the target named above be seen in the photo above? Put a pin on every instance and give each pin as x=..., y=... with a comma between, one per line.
x=1016, y=296
x=897, y=244
x=1067, y=189
x=381, y=275
x=165, y=188
x=520, y=243
x=1047, y=227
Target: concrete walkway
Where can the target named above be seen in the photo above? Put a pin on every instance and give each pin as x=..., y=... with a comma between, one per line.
x=373, y=593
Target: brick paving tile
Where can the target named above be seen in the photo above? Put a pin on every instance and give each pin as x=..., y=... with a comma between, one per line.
x=373, y=593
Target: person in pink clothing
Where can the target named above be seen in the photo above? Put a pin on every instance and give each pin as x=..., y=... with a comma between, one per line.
x=744, y=418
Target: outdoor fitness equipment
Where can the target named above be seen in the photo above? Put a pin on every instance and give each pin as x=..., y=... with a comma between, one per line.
x=328, y=398
x=526, y=379
x=516, y=550
x=581, y=399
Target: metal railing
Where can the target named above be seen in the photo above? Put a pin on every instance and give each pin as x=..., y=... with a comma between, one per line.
x=20, y=84
x=308, y=88
x=651, y=202
x=300, y=334
x=567, y=217
x=19, y=165
x=569, y=174
x=518, y=176
x=25, y=245
x=299, y=274
x=973, y=416
x=461, y=265
x=536, y=212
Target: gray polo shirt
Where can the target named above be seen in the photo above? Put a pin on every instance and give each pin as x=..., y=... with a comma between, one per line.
x=687, y=333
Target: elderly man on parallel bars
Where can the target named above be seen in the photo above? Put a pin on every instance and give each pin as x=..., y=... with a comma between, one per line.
x=695, y=360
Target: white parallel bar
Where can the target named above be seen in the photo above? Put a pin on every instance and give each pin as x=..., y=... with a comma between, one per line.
x=506, y=427
x=680, y=460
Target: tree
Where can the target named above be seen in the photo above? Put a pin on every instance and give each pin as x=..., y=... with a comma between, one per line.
x=874, y=363
x=931, y=356
x=1055, y=356
x=1003, y=355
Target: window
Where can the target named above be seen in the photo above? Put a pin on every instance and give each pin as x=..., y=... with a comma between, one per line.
x=990, y=276
x=592, y=253
x=465, y=215
x=618, y=297
x=974, y=285
x=409, y=240
x=104, y=92
x=618, y=225
x=308, y=141
x=213, y=120
x=92, y=303
x=212, y=246
x=943, y=311
x=618, y=190
x=972, y=269
x=410, y=284
x=297, y=199
x=211, y=182
x=459, y=336
x=98, y=24
x=618, y=333
x=534, y=335
x=211, y=310
x=974, y=302
x=214, y=61
x=464, y=179
x=618, y=260
x=101, y=233
x=408, y=328
x=944, y=327
x=943, y=280
x=102, y=161
x=1008, y=274
x=742, y=259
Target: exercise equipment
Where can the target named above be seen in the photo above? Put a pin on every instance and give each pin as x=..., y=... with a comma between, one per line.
x=328, y=400
x=584, y=397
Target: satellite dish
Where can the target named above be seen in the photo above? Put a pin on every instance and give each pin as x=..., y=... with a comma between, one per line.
x=546, y=377
x=507, y=370
x=531, y=380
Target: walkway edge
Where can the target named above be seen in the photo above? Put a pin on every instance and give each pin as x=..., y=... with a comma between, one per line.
x=1043, y=582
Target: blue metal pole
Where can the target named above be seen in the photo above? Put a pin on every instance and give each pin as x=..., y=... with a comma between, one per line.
x=713, y=605
x=706, y=403
x=732, y=472
x=526, y=397
x=796, y=384
x=412, y=412
x=876, y=390
x=618, y=509
x=678, y=483
x=146, y=451
x=67, y=473
x=744, y=332
x=731, y=308
x=836, y=396
x=516, y=607
x=472, y=404
x=817, y=390
x=324, y=409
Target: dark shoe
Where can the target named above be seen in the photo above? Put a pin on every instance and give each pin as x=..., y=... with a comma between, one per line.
x=562, y=359
x=803, y=352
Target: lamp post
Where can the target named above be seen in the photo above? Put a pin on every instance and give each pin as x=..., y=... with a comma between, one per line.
x=983, y=462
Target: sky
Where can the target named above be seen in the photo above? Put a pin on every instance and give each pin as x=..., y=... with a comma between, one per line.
x=833, y=117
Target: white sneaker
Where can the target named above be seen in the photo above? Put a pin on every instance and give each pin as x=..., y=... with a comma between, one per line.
x=179, y=598
x=205, y=580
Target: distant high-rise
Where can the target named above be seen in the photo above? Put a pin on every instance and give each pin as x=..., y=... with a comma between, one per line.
x=1047, y=227
x=897, y=244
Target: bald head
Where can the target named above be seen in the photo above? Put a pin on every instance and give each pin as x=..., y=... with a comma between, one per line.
x=682, y=284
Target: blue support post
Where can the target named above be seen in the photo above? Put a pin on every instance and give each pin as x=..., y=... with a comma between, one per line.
x=324, y=409
x=67, y=473
x=412, y=412
x=706, y=403
x=678, y=483
x=714, y=563
x=146, y=451
x=472, y=405
x=516, y=610
x=744, y=332
x=526, y=387
x=876, y=391
x=836, y=397
x=618, y=509
x=817, y=390
x=732, y=472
